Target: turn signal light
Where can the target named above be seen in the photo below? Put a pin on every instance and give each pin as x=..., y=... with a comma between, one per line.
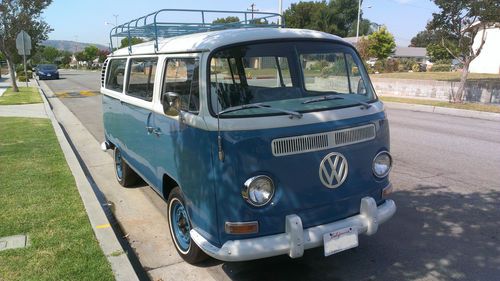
x=387, y=190
x=242, y=227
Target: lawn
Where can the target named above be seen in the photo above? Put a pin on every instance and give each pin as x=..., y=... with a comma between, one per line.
x=444, y=76
x=24, y=96
x=38, y=197
x=469, y=106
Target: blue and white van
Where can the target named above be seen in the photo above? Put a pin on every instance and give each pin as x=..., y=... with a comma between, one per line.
x=263, y=141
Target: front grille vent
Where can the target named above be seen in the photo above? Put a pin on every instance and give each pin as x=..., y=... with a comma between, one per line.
x=316, y=142
x=103, y=72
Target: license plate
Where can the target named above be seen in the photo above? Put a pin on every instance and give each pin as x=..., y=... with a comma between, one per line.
x=49, y=74
x=340, y=240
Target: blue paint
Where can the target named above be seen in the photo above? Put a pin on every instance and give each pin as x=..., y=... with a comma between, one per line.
x=181, y=225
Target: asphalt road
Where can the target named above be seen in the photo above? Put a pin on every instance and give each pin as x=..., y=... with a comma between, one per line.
x=447, y=189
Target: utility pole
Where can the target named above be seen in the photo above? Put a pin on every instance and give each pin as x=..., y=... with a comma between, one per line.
x=280, y=11
x=359, y=16
x=76, y=50
x=252, y=9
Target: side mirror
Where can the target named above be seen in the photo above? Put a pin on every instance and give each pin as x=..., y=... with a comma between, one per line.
x=361, y=87
x=171, y=103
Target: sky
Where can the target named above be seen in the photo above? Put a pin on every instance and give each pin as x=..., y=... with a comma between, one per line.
x=84, y=21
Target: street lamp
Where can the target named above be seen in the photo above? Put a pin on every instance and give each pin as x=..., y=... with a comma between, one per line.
x=359, y=18
x=115, y=25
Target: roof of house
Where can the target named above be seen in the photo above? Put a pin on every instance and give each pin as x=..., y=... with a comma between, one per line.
x=410, y=52
x=208, y=41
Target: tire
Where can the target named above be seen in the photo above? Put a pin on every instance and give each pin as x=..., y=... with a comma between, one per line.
x=180, y=225
x=124, y=174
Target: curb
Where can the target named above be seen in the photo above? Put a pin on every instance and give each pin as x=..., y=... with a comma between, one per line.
x=104, y=233
x=444, y=111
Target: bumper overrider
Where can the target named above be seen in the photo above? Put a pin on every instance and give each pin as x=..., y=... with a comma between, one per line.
x=296, y=239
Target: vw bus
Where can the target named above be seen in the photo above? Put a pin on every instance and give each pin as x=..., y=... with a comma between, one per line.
x=262, y=140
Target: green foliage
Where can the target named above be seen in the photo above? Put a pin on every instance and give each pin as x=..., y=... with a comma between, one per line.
x=49, y=54
x=437, y=52
x=391, y=65
x=21, y=15
x=91, y=52
x=133, y=41
x=382, y=44
x=406, y=65
x=66, y=57
x=22, y=78
x=415, y=67
x=21, y=73
x=440, y=68
x=363, y=48
x=319, y=65
x=103, y=54
x=335, y=16
x=229, y=19
x=379, y=66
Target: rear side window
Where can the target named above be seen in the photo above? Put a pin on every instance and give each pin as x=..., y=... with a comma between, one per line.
x=141, y=78
x=116, y=75
x=181, y=77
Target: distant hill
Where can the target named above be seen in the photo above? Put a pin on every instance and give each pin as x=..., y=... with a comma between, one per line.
x=66, y=45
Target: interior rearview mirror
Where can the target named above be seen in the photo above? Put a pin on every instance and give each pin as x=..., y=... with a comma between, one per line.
x=171, y=103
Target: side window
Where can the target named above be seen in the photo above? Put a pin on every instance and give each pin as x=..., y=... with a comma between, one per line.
x=142, y=78
x=181, y=77
x=116, y=74
x=358, y=85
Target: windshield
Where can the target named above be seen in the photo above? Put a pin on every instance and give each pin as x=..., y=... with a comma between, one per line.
x=287, y=76
x=47, y=67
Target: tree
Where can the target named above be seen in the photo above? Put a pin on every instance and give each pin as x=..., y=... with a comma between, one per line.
x=66, y=57
x=103, y=54
x=335, y=16
x=91, y=53
x=229, y=19
x=363, y=47
x=49, y=54
x=381, y=44
x=437, y=52
x=424, y=38
x=81, y=56
x=17, y=15
x=464, y=21
x=133, y=41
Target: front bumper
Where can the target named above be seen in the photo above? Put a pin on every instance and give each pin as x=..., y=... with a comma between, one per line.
x=296, y=239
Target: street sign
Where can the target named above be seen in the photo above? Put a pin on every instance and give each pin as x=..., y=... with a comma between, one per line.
x=23, y=43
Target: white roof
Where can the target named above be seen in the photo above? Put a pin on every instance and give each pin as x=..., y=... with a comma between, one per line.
x=208, y=41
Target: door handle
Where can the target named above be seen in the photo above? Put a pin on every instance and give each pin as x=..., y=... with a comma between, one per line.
x=152, y=130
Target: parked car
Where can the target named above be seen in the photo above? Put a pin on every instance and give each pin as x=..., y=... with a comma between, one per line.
x=47, y=71
x=251, y=166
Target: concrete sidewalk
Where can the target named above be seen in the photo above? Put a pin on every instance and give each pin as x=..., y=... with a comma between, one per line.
x=36, y=110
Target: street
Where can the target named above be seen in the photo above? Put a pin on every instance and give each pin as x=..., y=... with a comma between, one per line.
x=446, y=187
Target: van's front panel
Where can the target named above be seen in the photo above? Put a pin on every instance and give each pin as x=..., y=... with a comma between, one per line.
x=299, y=189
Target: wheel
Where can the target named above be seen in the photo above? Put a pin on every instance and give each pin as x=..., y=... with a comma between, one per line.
x=124, y=174
x=180, y=225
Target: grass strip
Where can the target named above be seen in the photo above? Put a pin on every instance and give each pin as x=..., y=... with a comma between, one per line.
x=38, y=197
x=468, y=106
x=26, y=95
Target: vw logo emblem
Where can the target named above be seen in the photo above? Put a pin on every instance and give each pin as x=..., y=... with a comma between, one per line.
x=333, y=170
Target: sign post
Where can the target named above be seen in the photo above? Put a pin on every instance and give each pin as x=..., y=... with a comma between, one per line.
x=23, y=45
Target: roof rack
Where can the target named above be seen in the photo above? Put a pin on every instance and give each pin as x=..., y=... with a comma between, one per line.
x=151, y=28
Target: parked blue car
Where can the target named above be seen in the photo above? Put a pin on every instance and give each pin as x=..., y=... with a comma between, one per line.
x=47, y=71
x=262, y=141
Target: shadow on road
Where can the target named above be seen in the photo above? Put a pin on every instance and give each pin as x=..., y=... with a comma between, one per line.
x=434, y=235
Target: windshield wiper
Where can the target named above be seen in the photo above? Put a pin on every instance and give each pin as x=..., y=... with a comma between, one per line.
x=293, y=114
x=337, y=97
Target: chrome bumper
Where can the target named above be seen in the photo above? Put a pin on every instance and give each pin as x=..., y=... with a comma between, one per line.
x=296, y=239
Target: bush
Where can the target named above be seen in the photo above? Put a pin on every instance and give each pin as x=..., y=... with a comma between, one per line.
x=22, y=78
x=379, y=66
x=406, y=64
x=440, y=68
x=415, y=67
x=391, y=65
x=21, y=73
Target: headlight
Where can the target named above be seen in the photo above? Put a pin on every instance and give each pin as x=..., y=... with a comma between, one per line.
x=382, y=164
x=42, y=73
x=258, y=191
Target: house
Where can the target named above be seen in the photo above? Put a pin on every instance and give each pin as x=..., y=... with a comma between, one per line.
x=418, y=54
x=488, y=60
